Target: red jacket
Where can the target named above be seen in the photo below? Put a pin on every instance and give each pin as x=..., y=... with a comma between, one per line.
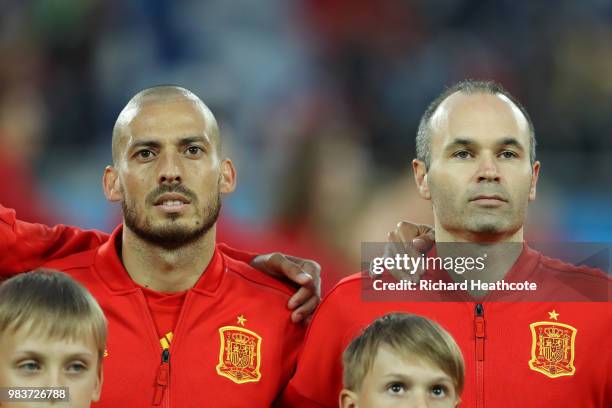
x=25, y=246
x=498, y=339
x=234, y=344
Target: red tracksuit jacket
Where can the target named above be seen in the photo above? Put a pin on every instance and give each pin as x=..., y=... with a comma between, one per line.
x=234, y=344
x=25, y=246
x=496, y=338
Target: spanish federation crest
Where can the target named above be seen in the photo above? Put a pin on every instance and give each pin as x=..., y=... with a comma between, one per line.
x=552, y=348
x=239, y=354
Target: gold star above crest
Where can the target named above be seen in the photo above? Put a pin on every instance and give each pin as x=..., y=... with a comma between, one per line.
x=241, y=320
x=553, y=315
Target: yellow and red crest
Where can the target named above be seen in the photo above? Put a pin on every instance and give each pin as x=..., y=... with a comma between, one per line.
x=239, y=354
x=552, y=348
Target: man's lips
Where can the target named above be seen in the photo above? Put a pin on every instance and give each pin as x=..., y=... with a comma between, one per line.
x=168, y=198
x=171, y=202
x=489, y=197
x=489, y=200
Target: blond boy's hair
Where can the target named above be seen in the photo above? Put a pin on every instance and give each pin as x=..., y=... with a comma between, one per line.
x=408, y=335
x=52, y=305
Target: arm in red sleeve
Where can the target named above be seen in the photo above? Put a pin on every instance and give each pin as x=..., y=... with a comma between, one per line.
x=318, y=378
x=25, y=246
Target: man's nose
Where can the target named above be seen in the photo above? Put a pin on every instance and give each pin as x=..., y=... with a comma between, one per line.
x=170, y=171
x=487, y=169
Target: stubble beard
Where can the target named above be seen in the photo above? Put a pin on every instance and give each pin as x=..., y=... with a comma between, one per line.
x=172, y=233
x=457, y=215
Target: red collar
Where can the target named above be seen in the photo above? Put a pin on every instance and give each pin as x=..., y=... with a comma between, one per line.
x=525, y=265
x=111, y=270
x=522, y=269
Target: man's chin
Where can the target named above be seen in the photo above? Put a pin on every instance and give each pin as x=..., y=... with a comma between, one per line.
x=170, y=234
x=488, y=226
x=491, y=231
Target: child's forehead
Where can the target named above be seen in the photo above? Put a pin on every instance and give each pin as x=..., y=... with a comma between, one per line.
x=389, y=361
x=28, y=339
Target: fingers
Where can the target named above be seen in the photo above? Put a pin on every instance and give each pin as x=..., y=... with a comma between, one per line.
x=311, y=269
x=397, y=247
x=397, y=242
x=301, y=296
x=306, y=310
x=420, y=235
x=406, y=231
x=425, y=239
x=277, y=264
x=310, y=291
x=411, y=239
x=303, y=272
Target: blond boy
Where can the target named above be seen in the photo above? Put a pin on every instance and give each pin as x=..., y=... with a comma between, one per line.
x=52, y=334
x=402, y=360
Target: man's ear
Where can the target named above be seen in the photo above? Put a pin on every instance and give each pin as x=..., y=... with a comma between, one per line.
x=535, y=172
x=227, y=181
x=97, y=391
x=348, y=399
x=111, y=184
x=420, y=178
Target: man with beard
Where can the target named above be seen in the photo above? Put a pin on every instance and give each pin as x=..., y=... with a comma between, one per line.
x=188, y=324
x=476, y=164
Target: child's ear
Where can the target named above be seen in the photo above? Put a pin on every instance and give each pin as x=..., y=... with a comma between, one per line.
x=348, y=399
x=97, y=391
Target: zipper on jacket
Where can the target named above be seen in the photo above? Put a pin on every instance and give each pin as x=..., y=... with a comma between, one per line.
x=479, y=332
x=163, y=377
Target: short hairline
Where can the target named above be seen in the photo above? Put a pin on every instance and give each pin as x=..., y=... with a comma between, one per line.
x=467, y=87
x=43, y=322
x=359, y=356
x=159, y=94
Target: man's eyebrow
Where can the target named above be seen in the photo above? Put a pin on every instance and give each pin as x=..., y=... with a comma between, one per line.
x=144, y=143
x=459, y=141
x=181, y=142
x=193, y=139
x=510, y=141
x=506, y=141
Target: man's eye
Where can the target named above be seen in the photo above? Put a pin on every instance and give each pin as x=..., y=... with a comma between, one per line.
x=462, y=154
x=194, y=150
x=438, y=391
x=396, y=388
x=144, y=154
x=508, y=154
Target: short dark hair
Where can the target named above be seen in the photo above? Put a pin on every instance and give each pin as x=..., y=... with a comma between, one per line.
x=469, y=87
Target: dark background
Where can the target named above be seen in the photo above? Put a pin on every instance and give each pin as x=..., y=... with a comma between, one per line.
x=318, y=102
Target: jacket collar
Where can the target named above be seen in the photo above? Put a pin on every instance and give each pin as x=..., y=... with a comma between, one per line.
x=522, y=269
x=109, y=267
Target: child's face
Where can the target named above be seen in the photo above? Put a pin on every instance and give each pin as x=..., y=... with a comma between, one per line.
x=397, y=381
x=29, y=361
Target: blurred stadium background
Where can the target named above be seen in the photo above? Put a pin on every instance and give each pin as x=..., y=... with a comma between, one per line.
x=318, y=102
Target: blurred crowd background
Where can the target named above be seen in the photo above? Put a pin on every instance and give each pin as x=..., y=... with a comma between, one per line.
x=318, y=103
